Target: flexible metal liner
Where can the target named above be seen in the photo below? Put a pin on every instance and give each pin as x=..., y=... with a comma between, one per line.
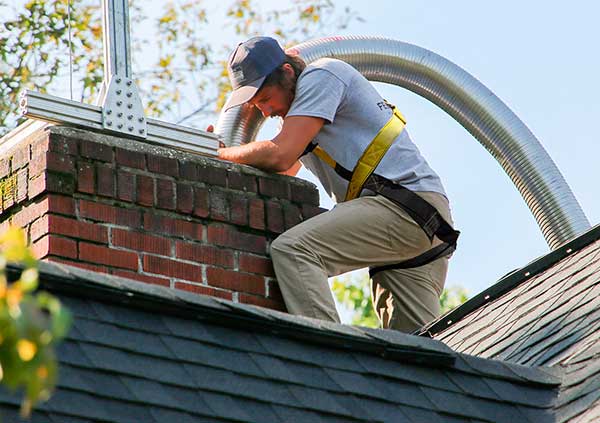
x=463, y=97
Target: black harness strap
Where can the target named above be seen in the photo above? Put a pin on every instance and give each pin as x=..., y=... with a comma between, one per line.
x=423, y=213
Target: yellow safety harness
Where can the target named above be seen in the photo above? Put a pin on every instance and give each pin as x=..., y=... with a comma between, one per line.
x=363, y=177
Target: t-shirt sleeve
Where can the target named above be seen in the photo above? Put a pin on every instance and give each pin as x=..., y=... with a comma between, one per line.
x=318, y=94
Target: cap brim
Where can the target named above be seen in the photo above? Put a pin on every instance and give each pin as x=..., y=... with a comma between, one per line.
x=243, y=94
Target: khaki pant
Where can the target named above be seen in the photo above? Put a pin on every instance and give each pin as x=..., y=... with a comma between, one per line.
x=367, y=231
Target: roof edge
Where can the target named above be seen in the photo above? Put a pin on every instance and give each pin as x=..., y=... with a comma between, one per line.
x=510, y=281
x=72, y=281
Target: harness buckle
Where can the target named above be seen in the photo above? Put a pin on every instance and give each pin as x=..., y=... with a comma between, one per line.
x=431, y=226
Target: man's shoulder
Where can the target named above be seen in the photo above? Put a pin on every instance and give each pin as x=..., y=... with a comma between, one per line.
x=338, y=68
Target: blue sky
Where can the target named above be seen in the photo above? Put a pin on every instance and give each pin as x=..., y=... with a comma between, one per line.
x=541, y=58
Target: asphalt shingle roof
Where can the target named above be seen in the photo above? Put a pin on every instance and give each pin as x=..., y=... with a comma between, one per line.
x=549, y=317
x=143, y=353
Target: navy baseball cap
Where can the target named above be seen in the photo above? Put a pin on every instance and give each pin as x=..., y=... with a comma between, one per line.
x=249, y=65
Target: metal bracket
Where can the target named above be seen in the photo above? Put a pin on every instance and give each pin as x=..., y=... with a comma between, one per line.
x=122, y=110
x=62, y=111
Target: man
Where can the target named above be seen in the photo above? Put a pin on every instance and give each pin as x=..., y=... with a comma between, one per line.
x=331, y=115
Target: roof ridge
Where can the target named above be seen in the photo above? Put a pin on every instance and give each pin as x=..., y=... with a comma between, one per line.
x=510, y=281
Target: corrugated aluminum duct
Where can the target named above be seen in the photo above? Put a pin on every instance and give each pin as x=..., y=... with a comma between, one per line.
x=463, y=97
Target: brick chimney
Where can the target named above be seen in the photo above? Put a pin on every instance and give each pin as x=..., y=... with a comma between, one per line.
x=150, y=213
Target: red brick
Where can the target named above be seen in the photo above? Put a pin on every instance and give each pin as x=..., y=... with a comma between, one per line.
x=305, y=194
x=4, y=167
x=20, y=158
x=39, y=145
x=60, y=183
x=262, y=302
x=204, y=254
x=55, y=246
x=61, y=204
x=86, y=266
x=204, y=290
x=145, y=190
x=61, y=144
x=22, y=181
x=219, y=209
x=201, y=206
x=171, y=226
x=29, y=213
x=106, y=180
x=163, y=165
x=185, y=198
x=212, y=175
x=188, y=170
x=96, y=151
x=165, y=194
x=272, y=187
x=255, y=264
x=172, y=268
x=236, y=281
x=77, y=229
x=291, y=215
x=130, y=158
x=228, y=236
x=154, y=280
x=37, y=185
x=8, y=191
x=274, y=292
x=242, y=182
x=86, y=179
x=59, y=162
x=311, y=211
x=238, y=209
x=125, y=186
x=274, y=217
x=38, y=228
x=140, y=242
x=38, y=165
x=103, y=255
x=110, y=214
x=257, y=214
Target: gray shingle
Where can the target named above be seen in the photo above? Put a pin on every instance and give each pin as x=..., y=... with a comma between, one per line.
x=525, y=395
x=134, y=319
x=296, y=415
x=354, y=383
x=149, y=391
x=398, y=392
x=318, y=400
x=452, y=403
x=133, y=340
x=198, y=352
x=411, y=373
x=135, y=364
x=327, y=357
x=259, y=411
x=224, y=406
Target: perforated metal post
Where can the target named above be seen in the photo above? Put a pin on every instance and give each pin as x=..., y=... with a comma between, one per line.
x=122, y=109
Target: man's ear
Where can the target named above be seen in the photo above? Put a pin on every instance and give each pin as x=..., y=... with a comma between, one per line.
x=288, y=69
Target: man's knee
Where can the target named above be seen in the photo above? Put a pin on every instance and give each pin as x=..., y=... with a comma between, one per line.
x=280, y=245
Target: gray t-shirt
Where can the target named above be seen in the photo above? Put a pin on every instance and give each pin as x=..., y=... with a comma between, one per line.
x=354, y=113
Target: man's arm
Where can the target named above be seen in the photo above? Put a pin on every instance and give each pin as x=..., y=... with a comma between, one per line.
x=282, y=152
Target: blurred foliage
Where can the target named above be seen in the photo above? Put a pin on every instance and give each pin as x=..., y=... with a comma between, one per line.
x=353, y=293
x=177, y=65
x=452, y=297
x=31, y=324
